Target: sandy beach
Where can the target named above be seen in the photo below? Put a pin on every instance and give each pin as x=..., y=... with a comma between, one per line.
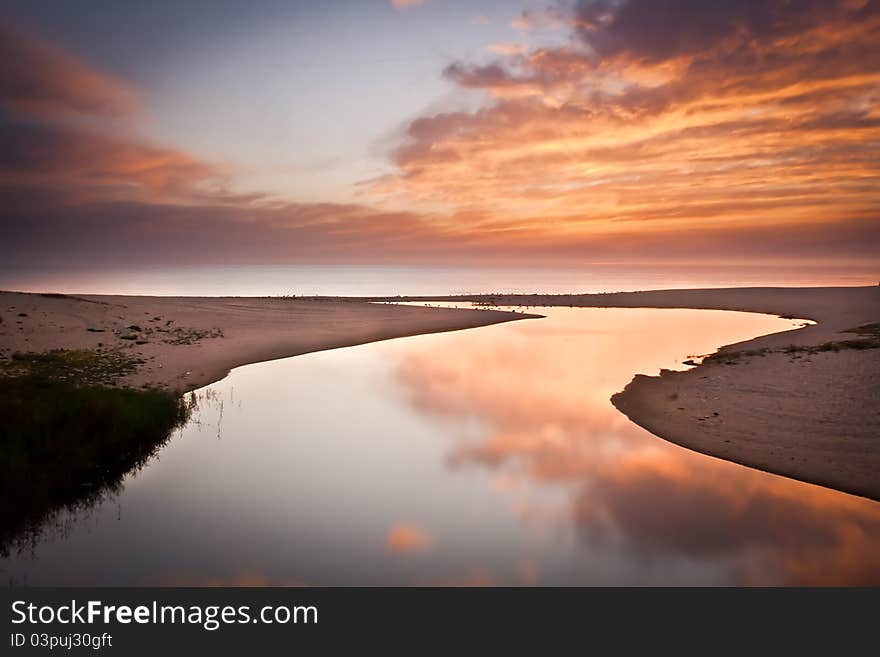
x=803, y=403
x=189, y=342
x=800, y=403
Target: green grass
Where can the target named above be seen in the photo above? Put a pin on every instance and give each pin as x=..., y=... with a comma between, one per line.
x=67, y=438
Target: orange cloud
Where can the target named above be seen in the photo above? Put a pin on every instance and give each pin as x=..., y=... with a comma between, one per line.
x=610, y=147
x=504, y=48
x=536, y=19
x=406, y=4
x=404, y=538
x=96, y=166
x=60, y=129
x=40, y=79
x=731, y=119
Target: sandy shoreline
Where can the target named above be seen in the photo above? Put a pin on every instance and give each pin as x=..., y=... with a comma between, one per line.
x=189, y=342
x=786, y=407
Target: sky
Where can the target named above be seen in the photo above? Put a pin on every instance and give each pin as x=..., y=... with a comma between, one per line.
x=439, y=131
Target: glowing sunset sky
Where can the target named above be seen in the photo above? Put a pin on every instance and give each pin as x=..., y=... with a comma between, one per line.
x=439, y=131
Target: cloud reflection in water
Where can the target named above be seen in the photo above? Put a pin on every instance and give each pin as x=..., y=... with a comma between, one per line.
x=539, y=395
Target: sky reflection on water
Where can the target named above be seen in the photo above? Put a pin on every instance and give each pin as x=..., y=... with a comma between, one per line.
x=488, y=456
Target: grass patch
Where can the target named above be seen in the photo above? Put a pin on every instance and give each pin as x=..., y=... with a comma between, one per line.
x=836, y=345
x=67, y=439
x=78, y=366
x=866, y=330
x=178, y=336
x=168, y=334
x=870, y=340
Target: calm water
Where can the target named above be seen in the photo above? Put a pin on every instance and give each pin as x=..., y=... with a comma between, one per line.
x=250, y=280
x=487, y=456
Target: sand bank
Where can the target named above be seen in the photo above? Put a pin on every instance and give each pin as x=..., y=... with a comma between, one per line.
x=188, y=342
x=781, y=403
x=791, y=403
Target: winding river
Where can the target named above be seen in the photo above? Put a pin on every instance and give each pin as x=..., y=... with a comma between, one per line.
x=486, y=456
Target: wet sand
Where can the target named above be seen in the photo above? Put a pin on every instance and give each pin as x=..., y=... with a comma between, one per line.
x=785, y=407
x=189, y=342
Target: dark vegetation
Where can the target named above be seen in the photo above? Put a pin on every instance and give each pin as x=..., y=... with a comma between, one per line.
x=189, y=335
x=68, y=438
x=870, y=331
x=869, y=338
x=176, y=335
x=84, y=367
